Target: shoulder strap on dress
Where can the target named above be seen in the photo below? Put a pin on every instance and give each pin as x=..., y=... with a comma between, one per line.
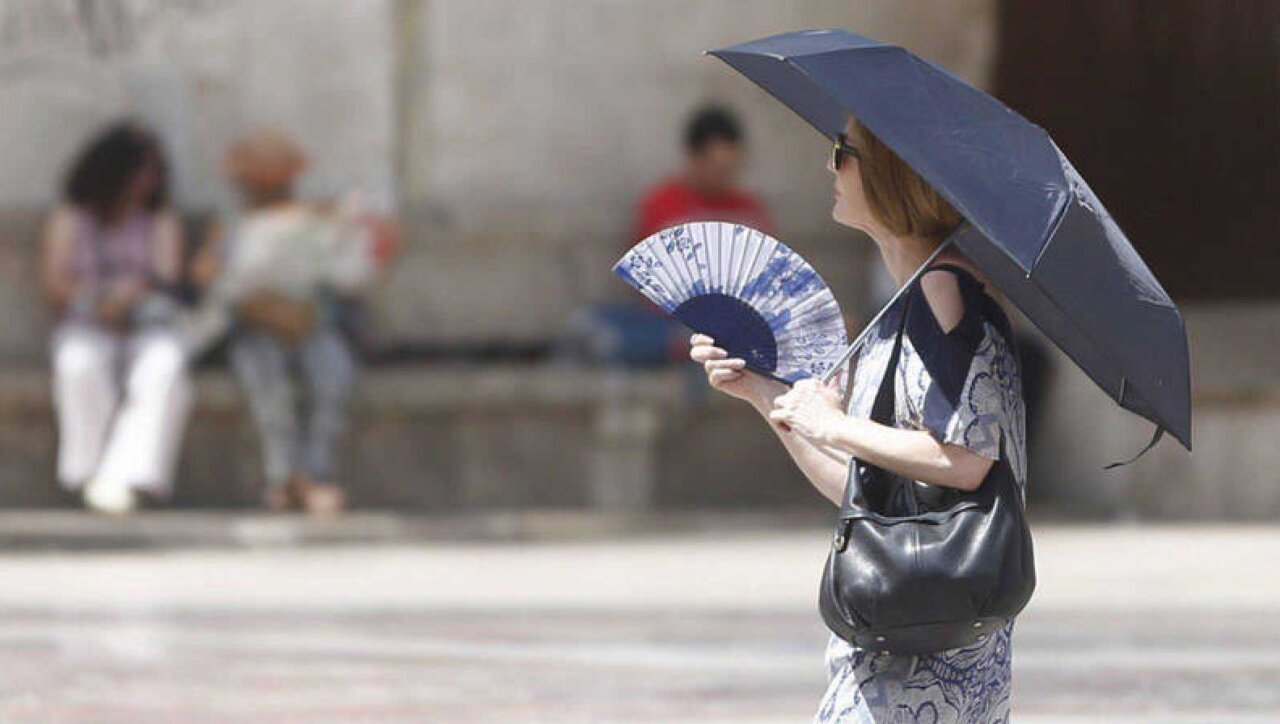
x=961, y=271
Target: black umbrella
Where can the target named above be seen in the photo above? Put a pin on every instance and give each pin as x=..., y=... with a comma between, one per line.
x=1033, y=224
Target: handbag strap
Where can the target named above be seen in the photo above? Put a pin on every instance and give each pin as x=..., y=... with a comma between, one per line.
x=883, y=408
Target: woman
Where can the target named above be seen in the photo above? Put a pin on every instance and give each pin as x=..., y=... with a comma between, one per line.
x=283, y=270
x=958, y=393
x=120, y=385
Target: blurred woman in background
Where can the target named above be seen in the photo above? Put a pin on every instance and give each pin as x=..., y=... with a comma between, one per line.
x=111, y=251
x=279, y=273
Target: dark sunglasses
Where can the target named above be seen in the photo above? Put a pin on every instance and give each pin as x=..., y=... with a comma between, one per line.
x=839, y=149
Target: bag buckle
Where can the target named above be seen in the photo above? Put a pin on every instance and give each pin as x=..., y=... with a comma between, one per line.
x=841, y=540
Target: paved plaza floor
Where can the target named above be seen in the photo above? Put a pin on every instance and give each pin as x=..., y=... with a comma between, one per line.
x=1135, y=623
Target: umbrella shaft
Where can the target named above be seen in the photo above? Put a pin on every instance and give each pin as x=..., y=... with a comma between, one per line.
x=857, y=343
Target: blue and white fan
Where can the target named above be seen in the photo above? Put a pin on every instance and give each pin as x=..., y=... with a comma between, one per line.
x=754, y=296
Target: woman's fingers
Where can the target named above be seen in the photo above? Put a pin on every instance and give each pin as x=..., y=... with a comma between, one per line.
x=724, y=364
x=721, y=369
x=722, y=376
x=703, y=352
x=700, y=338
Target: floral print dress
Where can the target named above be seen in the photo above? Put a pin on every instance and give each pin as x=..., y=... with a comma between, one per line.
x=964, y=387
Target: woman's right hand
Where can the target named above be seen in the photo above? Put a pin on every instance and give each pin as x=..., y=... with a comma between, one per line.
x=730, y=376
x=119, y=300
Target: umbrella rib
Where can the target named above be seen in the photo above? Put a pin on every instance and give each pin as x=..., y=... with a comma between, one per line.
x=1124, y=377
x=1059, y=216
x=1044, y=293
x=815, y=84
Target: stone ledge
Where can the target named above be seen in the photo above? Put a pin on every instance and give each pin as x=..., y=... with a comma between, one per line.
x=64, y=530
x=443, y=437
x=70, y=530
x=444, y=387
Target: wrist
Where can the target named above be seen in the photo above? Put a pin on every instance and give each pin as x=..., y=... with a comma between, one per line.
x=828, y=428
x=842, y=433
x=762, y=404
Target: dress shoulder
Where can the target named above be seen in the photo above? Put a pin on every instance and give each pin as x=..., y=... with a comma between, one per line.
x=953, y=383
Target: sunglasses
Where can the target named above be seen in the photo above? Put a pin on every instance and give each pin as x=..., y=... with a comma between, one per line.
x=839, y=149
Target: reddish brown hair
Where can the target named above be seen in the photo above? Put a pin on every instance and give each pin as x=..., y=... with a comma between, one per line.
x=897, y=196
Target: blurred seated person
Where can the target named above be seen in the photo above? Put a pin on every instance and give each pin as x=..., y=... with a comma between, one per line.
x=277, y=276
x=110, y=257
x=706, y=188
x=637, y=332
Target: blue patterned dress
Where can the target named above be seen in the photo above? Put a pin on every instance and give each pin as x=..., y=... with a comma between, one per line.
x=965, y=388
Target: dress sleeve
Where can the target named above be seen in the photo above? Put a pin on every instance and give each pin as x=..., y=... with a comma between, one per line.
x=951, y=385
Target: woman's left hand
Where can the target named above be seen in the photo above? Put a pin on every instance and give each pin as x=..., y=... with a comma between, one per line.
x=811, y=410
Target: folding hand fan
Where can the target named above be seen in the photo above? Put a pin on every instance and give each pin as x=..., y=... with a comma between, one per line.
x=746, y=290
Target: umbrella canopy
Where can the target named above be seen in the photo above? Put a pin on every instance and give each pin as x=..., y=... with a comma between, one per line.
x=1034, y=226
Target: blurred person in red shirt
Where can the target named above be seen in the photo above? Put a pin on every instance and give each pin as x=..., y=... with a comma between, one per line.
x=636, y=332
x=706, y=189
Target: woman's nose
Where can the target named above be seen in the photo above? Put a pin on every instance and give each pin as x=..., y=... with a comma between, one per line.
x=831, y=165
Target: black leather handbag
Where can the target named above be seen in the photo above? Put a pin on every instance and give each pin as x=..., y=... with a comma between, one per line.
x=918, y=568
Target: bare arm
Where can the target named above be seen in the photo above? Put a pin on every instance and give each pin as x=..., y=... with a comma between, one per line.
x=914, y=454
x=167, y=260
x=812, y=412
x=823, y=466
x=208, y=258
x=56, y=246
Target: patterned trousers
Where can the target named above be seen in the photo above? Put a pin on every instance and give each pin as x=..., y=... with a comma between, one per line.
x=265, y=366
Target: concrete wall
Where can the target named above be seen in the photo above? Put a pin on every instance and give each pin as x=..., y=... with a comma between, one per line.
x=201, y=71
x=530, y=127
x=519, y=133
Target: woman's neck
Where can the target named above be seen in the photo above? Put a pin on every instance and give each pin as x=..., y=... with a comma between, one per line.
x=903, y=254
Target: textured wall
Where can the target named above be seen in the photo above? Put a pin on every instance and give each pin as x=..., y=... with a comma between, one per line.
x=531, y=126
x=518, y=132
x=201, y=71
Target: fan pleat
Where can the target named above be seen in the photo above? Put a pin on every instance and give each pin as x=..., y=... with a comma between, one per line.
x=679, y=266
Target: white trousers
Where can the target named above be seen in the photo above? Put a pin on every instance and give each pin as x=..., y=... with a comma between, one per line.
x=122, y=403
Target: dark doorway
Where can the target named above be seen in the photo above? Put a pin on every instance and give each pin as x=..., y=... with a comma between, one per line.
x=1171, y=110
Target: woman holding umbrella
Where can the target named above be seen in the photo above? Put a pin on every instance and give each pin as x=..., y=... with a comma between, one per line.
x=959, y=393
x=937, y=172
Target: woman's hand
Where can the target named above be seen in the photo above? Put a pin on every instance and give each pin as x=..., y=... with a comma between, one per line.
x=730, y=376
x=118, y=301
x=811, y=410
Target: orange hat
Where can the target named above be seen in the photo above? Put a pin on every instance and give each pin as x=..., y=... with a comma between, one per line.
x=265, y=159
